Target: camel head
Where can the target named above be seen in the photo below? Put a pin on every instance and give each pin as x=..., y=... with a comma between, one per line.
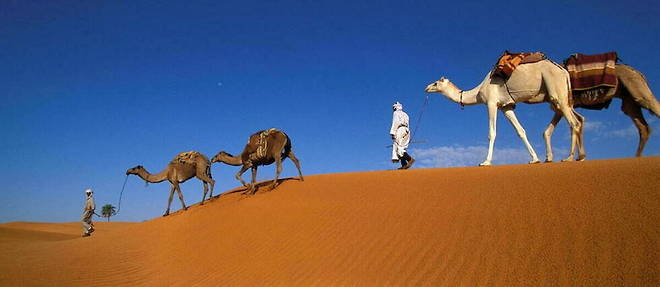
x=220, y=157
x=227, y=158
x=438, y=86
x=134, y=170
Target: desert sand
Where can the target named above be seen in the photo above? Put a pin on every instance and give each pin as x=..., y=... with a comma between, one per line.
x=592, y=223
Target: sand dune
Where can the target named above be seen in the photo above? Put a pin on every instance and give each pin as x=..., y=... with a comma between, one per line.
x=590, y=223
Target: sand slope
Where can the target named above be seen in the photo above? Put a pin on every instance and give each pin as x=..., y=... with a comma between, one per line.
x=589, y=223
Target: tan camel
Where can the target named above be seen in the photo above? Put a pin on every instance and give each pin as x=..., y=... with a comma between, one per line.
x=532, y=83
x=263, y=148
x=635, y=94
x=184, y=166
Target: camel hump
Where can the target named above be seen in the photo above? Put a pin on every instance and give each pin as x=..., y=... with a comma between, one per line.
x=260, y=140
x=187, y=157
x=508, y=62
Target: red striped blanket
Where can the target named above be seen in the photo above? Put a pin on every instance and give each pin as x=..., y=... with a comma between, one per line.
x=592, y=71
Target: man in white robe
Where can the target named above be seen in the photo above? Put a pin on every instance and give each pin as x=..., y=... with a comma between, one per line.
x=400, y=133
x=86, y=218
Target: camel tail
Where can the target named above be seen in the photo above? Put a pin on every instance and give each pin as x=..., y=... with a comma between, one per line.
x=651, y=103
x=647, y=100
x=287, y=146
x=571, y=101
x=656, y=108
x=645, y=97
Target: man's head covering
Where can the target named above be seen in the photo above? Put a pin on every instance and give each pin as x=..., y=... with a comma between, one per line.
x=89, y=191
x=397, y=106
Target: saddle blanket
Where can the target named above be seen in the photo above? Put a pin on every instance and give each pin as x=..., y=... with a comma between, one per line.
x=186, y=157
x=592, y=71
x=508, y=62
x=262, y=144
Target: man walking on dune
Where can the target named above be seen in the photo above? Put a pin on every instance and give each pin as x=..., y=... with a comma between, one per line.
x=90, y=206
x=400, y=133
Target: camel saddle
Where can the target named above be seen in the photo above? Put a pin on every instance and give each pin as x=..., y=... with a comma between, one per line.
x=508, y=62
x=262, y=145
x=592, y=71
x=186, y=157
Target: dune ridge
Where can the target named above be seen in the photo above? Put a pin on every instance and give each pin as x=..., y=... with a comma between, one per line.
x=588, y=223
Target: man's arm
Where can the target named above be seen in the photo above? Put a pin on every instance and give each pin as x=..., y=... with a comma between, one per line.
x=396, y=121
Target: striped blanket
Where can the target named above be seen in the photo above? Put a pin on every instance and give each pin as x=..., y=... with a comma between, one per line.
x=508, y=62
x=592, y=71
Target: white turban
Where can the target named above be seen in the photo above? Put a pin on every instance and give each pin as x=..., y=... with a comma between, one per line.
x=88, y=191
x=397, y=106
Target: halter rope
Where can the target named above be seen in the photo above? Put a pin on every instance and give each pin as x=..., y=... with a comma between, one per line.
x=426, y=102
x=120, y=195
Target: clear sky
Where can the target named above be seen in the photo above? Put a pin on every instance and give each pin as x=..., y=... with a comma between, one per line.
x=92, y=88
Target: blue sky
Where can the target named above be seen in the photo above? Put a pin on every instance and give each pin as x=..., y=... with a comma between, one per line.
x=91, y=88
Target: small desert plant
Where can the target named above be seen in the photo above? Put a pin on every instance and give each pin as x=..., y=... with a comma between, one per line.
x=107, y=211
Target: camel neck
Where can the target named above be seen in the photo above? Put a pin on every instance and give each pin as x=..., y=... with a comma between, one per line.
x=153, y=178
x=463, y=97
x=232, y=160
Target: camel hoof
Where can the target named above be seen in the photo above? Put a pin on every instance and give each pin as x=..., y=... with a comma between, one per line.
x=534, y=161
x=166, y=214
x=567, y=159
x=582, y=158
x=484, y=164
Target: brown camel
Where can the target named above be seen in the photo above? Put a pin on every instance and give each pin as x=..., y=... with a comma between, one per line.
x=184, y=166
x=263, y=148
x=635, y=94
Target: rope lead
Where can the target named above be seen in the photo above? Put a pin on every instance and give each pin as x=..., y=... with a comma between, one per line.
x=120, y=195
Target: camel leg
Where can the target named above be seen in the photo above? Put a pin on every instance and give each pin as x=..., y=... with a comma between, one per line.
x=206, y=180
x=508, y=112
x=492, y=125
x=580, y=139
x=169, y=201
x=278, y=170
x=559, y=94
x=206, y=189
x=295, y=161
x=244, y=168
x=576, y=128
x=253, y=186
x=547, y=134
x=634, y=111
x=180, y=194
x=204, y=174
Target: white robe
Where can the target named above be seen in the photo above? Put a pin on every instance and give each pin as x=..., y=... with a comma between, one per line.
x=401, y=134
x=86, y=217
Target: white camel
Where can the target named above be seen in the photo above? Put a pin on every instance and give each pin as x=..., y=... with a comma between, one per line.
x=532, y=83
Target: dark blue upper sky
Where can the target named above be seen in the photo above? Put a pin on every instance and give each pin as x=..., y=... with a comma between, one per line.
x=91, y=88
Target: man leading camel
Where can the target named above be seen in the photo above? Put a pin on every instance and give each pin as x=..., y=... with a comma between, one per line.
x=86, y=218
x=400, y=133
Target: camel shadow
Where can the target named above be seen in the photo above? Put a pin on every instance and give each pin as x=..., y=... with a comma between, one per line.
x=262, y=186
